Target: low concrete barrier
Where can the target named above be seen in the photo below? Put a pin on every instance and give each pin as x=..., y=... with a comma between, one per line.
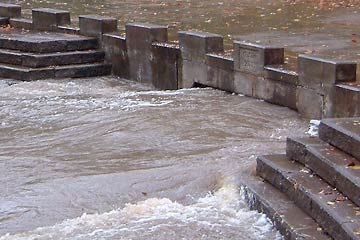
x=321, y=87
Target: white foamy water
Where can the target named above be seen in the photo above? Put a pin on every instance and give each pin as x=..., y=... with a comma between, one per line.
x=219, y=215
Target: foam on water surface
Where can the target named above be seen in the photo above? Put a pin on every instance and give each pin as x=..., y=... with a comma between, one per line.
x=219, y=215
x=71, y=147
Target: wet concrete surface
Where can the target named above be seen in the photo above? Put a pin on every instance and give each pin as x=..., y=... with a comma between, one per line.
x=302, y=26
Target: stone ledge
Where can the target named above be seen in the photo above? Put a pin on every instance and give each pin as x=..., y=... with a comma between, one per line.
x=342, y=133
x=218, y=61
x=10, y=10
x=277, y=73
x=45, y=18
x=94, y=25
x=329, y=163
x=290, y=221
x=312, y=195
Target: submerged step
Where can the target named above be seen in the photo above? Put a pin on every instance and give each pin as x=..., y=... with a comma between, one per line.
x=337, y=215
x=50, y=59
x=46, y=42
x=68, y=71
x=343, y=133
x=290, y=220
x=334, y=166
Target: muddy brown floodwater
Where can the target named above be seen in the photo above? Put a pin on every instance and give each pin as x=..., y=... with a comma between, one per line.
x=105, y=158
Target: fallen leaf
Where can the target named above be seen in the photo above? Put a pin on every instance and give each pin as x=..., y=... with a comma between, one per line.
x=330, y=203
x=341, y=199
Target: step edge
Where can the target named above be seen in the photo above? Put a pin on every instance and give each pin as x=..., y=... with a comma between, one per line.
x=326, y=209
x=258, y=202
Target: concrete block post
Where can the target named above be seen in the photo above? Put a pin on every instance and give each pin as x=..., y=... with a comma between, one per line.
x=252, y=58
x=139, y=40
x=165, y=66
x=220, y=72
x=194, y=46
x=46, y=18
x=10, y=10
x=95, y=26
x=116, y=54
x=316, y=72
x=249, y=62
x=317, y=79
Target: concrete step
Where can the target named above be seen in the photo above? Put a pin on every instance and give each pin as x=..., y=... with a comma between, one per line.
x=289, y=220
x=46, y=42
x=343, y=133
x=68, y=71
x=50, y=59
x=331, y=164
x=337, y=215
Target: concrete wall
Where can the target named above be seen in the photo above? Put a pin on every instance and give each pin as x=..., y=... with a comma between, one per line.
x=320, y=88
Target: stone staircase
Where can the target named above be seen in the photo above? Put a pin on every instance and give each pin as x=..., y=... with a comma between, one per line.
x=33, y=55
x=321, y=176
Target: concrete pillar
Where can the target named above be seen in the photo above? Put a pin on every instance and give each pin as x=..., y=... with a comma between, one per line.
x=249, y=62
x=95, y=26
x=317, y=96
x=194, y=46
x=316, y=72
x=10, y=10
x=46, y=18
x=139, y=40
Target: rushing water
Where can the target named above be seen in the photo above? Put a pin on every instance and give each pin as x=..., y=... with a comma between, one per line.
x=105, y=158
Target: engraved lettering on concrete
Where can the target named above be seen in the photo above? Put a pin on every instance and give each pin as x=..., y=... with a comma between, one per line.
x=249, y=60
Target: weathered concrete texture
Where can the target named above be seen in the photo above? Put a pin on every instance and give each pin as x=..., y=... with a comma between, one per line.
x=245, y=83
x=95, y=26
x=195, y=45
x=10, y=10
x=342, y=101
x=68, y=71
x=193, y=72
x=116, y=54
x=288, y=219
x=332, y=210
x=139, y=40
x=30, y=55
x=331, y=164
x=165, y=64
x=52, y=59
x=220, y=72
x=279, y=86
x=316, y=72
x=66, y=29
x=22, y=23
x=46, y=43
x=310, y=103
x=343, y=133
x=252, y=58
x=45, y=18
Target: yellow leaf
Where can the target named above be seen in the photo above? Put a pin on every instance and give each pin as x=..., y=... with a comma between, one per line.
x=356, y=167
x=330, y=203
